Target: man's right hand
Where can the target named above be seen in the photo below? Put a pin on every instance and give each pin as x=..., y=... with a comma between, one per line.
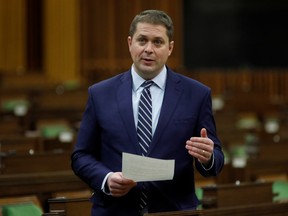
x=118, y=185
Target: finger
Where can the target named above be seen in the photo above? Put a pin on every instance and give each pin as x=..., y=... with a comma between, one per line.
x=127, y=181
x=118, y=192
x=203, y=133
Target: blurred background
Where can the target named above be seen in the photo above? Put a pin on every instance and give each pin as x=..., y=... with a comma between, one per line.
x=52, y=50
x=69, y=39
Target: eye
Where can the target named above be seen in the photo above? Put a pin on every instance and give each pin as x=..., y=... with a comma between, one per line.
x=141, y=40
x=158, y=42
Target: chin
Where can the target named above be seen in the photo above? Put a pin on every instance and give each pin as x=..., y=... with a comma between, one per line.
x=148, y=68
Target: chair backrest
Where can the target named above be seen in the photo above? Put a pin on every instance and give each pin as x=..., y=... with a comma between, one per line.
x=8, y=205
x=23, y=209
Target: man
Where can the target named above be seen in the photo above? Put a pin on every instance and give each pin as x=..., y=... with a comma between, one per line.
x=183, y=128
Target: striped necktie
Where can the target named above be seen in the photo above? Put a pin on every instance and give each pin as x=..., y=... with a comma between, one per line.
x=144, y=127
x=144, y=130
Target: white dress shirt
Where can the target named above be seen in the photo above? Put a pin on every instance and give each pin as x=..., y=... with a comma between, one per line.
x=157, y=94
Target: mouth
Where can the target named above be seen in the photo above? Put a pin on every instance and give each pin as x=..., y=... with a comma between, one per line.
x=148, y=60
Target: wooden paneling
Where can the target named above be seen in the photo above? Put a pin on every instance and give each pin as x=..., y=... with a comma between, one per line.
x=12, y=35
x=104, y=31
x=271, y=81
x=61, y=39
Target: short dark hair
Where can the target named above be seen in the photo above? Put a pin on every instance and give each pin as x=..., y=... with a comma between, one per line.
x=155, y=17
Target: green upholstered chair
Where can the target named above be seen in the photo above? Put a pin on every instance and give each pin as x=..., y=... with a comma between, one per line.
x=53, y=130
x=239, y=155
x=23, y=209
x=199, y=194
x=9, y=105
x=281, y=189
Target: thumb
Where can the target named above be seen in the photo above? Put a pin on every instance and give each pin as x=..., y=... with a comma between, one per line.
x=203, y=133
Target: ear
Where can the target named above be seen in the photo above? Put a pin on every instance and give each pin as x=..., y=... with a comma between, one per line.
x=171, y=45
x=129, y=41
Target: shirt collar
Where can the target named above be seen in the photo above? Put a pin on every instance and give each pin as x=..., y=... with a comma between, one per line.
x=159, y=80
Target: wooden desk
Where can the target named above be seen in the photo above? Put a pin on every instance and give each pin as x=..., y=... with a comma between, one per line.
x=263, y=209
x=76, y=207
x=227, y=195
x=255, y=170
x=44, y=185
x=20, y=144
x=272, y=150
x=177, y=213
x=259, y=168
x=39, y=183
x=70, y=207
x=36, y=163
x=70, y=105
x=82, y=206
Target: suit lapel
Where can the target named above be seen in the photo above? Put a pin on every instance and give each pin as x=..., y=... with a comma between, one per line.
x=124, y=100
x=172, y=94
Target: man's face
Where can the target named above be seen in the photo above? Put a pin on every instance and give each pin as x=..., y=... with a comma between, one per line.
x=149, y=48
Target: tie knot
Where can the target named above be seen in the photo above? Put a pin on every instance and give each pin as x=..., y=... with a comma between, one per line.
x=147, y=84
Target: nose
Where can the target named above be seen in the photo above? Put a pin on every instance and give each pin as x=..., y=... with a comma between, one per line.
x=149, y=48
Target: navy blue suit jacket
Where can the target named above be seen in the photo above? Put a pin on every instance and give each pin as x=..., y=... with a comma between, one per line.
x=108, y=129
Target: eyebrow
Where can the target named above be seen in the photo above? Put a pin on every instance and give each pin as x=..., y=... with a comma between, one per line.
x=157, y=38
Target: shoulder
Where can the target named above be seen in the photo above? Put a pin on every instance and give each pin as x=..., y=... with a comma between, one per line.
x=186, y=81
x=111, y=83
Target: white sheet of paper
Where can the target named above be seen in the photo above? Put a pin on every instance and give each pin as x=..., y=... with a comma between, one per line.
x=139, y=168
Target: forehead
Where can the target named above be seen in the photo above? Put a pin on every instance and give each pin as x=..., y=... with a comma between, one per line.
x=151, y=30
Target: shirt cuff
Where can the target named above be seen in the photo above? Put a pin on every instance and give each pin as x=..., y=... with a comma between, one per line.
x=104, y=188
x=210, y=165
